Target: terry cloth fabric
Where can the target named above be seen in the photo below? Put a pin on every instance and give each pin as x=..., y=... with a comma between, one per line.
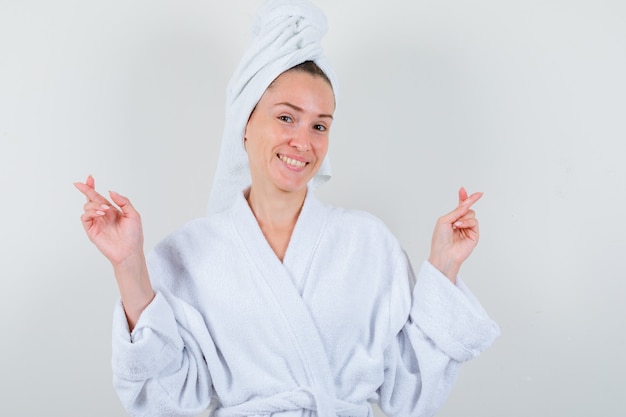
x=285, y=34
x=343, y=321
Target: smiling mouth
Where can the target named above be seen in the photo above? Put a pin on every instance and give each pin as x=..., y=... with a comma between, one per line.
x=292, y=162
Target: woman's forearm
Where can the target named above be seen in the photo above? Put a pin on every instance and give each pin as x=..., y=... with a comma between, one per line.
x=135, y=288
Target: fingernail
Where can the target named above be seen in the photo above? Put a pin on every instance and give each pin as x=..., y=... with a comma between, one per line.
x=458, y=224
x=104, y=206
x=100, y=213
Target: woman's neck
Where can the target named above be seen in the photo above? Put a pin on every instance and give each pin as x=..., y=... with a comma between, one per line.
x=277, y=214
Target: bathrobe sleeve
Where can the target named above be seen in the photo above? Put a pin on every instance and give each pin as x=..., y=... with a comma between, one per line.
x=445, y=327
x=159, y=368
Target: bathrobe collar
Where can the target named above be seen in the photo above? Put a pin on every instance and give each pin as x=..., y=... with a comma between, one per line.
x=286, y=281
x=304, y=239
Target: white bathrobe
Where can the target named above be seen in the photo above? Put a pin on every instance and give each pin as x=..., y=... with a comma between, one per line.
x=342, y=322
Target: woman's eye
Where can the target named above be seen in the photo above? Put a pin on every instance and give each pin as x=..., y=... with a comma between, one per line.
x=320, y=128
x=285, y=119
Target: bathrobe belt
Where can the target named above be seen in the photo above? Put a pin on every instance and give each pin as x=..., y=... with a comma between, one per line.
x=299, y=399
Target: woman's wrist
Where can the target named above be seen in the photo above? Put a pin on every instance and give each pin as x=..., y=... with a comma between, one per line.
x=447, y=267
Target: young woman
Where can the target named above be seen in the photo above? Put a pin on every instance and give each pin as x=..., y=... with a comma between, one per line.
x=276, y=304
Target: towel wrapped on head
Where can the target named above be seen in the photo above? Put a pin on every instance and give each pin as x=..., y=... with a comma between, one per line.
x=285, y=33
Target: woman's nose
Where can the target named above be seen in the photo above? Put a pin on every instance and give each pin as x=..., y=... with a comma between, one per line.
x=301, y=141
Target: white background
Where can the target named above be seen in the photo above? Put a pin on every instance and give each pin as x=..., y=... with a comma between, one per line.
x=524, y=100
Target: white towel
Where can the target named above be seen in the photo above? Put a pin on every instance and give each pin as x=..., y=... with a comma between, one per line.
x=285, y=34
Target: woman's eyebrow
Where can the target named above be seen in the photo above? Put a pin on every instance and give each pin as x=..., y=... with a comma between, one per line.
x=300, y=109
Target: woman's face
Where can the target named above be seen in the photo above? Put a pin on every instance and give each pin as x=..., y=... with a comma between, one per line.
x=287, y=134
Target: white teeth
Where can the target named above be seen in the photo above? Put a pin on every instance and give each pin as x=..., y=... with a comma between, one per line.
x=291, y=162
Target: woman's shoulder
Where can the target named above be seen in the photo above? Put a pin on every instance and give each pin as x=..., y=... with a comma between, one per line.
x=365, y=238
x=351, y=217
x=357, y=218
x=360, y=224
x=196, y=233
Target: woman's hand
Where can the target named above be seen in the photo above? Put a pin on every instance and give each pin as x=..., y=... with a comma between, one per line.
x=118, y=234
x=455, y=236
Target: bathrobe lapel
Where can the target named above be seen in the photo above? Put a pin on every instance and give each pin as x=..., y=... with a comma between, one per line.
x=304, y=241
x=285, y=281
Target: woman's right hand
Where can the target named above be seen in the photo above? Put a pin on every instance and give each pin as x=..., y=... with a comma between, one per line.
x=117, y=233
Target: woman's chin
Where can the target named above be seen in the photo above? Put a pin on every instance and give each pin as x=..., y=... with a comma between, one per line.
x=292, y=186
x=292, y=183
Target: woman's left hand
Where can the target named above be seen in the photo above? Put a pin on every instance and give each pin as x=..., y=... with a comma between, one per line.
x=455, y=236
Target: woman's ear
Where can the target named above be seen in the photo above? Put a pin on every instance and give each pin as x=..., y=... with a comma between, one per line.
x=245, y=133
